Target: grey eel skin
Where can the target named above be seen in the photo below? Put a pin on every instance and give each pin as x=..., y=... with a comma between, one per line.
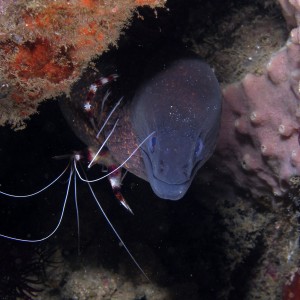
x=182, y=106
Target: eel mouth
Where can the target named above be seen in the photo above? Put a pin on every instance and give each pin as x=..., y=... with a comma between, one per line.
x=167, y=190
x=163, y=189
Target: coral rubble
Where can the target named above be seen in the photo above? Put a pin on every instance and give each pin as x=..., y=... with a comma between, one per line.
x=45, y=45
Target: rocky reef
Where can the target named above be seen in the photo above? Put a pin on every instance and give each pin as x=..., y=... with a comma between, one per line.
x=259, y=134
x=45, y=45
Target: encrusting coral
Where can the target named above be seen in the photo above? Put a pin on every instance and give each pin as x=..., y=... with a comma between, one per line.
x=45, y=45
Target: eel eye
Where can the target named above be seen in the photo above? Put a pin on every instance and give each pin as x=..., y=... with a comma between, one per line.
x=199, y=147
x=152, y=144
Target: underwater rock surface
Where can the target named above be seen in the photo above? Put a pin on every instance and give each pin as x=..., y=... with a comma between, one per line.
x=45, y=46
x=260, y=127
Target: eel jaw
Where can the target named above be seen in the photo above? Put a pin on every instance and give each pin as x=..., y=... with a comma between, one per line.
x=169, y=191
x=163, y=189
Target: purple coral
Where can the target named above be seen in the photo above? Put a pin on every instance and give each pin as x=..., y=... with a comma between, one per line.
x=259, y=144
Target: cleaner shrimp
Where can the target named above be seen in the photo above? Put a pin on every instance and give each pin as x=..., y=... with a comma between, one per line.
x=74, y=170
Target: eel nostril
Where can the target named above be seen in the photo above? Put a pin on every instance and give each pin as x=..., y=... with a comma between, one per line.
x=161, y=166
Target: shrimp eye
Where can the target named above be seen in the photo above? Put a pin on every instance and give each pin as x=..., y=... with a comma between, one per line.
x=198, y=148
x=152, y=144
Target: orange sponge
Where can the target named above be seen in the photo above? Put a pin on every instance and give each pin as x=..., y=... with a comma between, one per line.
x=45, y=45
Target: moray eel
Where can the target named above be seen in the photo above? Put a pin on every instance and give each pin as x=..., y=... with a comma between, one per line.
x=180, y=105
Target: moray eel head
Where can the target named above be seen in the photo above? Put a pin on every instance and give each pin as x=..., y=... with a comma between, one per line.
x=181, y=105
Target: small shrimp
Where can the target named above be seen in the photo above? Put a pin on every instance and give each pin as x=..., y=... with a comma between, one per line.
x=91, y=156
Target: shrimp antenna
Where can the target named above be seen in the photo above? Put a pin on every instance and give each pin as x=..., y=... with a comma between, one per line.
x=113, y=228
x=119, y=167
x=58, y=224
x=103, y=144
x=109, y=116
x=77, y=212
x=39, y=191
x=107, y=94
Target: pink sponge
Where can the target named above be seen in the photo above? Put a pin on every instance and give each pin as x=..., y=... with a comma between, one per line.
x=260, y=126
